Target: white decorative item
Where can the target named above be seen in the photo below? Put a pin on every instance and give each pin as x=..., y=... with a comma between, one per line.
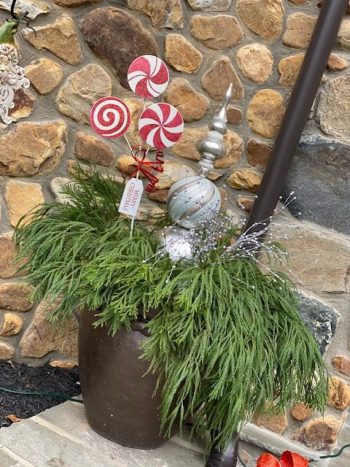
x=131, y=199
x=213, y=146
x=161, y=125
x=177, y=243
x=193, y=201
x=110, y=117
x=11, y=79
x=148, y=76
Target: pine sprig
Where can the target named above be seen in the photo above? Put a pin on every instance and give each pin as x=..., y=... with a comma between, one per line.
x=226, y=355
x=227, y=340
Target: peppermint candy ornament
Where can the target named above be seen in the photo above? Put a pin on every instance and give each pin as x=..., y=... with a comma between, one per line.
x=110, y=117
x=161, y=125
x=148, y=76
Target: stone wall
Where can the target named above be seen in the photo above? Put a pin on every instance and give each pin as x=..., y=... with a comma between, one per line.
x=81, y=51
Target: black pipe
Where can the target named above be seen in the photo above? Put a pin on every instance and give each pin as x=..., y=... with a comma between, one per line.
x=297, y=113
x=228, y=458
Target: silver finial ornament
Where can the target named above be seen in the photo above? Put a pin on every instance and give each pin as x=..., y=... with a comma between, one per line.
x=194, y=201
x=213, y=147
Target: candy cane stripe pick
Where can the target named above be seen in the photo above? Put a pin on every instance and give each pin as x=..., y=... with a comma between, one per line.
x=161, y=125
x=110, y=117
x=148, y=76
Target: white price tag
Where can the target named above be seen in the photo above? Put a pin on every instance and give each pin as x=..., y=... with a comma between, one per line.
x=131, y=197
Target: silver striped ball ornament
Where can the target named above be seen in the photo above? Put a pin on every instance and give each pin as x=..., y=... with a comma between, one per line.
x=193, y=201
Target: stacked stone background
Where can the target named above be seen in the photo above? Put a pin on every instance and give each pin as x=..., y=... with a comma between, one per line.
x=81, y=51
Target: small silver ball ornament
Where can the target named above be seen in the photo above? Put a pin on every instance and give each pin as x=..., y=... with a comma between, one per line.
x=193, y=201
x=177, y=243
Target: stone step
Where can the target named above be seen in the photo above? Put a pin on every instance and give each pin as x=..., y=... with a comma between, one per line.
x=61, y=437
x=10, y=459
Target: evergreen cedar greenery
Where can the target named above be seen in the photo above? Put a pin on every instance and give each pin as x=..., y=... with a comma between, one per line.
x=222, y=350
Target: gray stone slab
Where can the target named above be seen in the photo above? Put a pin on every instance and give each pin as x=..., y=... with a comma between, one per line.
x=6, y=460
x=62, y=437
x=70, y=418
x=319, y=176
x=9, y=458
x=41, y=447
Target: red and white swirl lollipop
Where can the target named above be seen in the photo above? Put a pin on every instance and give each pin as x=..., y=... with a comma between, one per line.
x=161, y=125
x=110, y=117
x=148, y=76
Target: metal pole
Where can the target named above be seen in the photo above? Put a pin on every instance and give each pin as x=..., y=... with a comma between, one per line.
x=297, y=112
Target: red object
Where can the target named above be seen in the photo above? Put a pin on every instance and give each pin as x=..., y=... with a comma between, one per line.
x=291, y=459
x=267, y=460
x=161, y=125
x=288, y=459
x=145, y=167
x=110, y=117
x=148, y=76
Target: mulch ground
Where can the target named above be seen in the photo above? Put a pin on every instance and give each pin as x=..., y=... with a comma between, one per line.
x=17, y=377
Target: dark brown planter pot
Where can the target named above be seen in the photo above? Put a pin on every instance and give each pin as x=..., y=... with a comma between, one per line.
x=118, y=395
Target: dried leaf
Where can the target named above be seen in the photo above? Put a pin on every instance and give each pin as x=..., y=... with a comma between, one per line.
x=13, y=418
